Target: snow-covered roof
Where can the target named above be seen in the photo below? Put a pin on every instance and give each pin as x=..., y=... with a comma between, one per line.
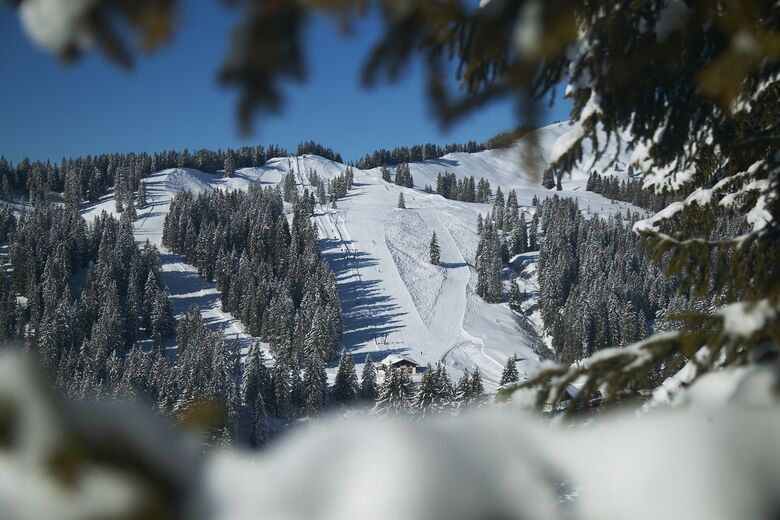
x=394, y=359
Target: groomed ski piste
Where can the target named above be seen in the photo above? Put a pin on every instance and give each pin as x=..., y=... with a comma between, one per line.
x=393, y=300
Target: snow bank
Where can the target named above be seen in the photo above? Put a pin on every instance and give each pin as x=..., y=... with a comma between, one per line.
x=719, y=459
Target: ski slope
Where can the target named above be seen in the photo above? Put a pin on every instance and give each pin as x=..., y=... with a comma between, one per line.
x=393, y=300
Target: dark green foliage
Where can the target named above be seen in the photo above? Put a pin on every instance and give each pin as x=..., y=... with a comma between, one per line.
x=140, y=202
x=416, y=153
x=435, y=393
x=289, y=189
x=435, y=251
x=469, y=390
x=629, y=191
x=368, y=386
x=269, y=273
x=510, y=374
x=403, y=175
x=310, y=147
x=466, y=189
x=345, y=387
x=256, y=380
x=395, y=394
x=488, y=265
x=339, y=185
x=598, y=287
x=315, y=382
x=230, y=164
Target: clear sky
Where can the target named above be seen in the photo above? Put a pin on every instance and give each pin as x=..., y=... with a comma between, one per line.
x=171, y=99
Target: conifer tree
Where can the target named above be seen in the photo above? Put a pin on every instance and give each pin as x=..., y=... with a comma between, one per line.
x=298, y=391
x=290, y=192
x=162, y=321
x=368, y=385
x=395, y=393
x=345, y=388
x=425, y=399
x=435, y=252
x=72, y=194
x=463, y=390
x=259, y=434
x=140, y=202
x=510, y=374
x=476, y=388
x=533, y=233
x=230, y=164
x=514, y=295
x=315, y=383
x=519, y=236
x=401, y=201
x=280, y=381
x=255, y=380
x=488, y=266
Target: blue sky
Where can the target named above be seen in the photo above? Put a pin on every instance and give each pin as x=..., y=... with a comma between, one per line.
x=171, y=100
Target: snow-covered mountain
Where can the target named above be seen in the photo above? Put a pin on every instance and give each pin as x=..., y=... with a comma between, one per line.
x=394, y=301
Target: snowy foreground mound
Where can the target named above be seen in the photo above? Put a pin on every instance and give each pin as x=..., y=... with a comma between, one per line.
x=719, y=459
x=394, y=301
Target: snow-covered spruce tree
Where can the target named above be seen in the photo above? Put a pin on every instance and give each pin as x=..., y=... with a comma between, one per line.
x=315, y=383
x=401, y=201
x=140, y=202
x=230, y=164
x=395, y=394
x=488, y=265
x=519, y=241
x=511, y=212
x=345, y=387
x=403, y=175
x=445, y=391
x=368, y=386
x=510, y=374
x=425, y=401
x=434, y=251
x=497, y=213
x=435, y=393
x=514, y=294
x=259, y=433
x=298, y=392
x=463, y=390
x=476, y=388
x=255, y=381
x=72, y=194
x=223, y=385
x=162, y=321
x=280, y=381
x=533, y=232
x=289, y=190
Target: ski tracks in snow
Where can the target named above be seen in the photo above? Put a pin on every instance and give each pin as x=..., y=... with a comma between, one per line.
x=460, y=355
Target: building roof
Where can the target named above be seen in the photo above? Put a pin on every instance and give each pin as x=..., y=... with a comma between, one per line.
x=394, y=359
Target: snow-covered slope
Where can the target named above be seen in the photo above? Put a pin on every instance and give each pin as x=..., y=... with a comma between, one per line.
x=519, y=167
x=393, y=299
